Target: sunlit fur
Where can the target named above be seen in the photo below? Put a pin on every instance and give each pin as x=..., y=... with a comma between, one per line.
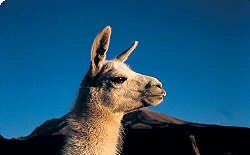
x=95, y=118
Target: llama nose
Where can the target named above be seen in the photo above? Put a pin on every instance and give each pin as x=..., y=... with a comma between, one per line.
x=164, y=93
x=154, y=83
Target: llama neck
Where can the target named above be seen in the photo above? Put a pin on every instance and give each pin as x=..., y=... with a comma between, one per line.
x=94, y=135
x=94, y=131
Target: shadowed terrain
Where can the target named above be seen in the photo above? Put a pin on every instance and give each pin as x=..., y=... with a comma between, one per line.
x=147, y=132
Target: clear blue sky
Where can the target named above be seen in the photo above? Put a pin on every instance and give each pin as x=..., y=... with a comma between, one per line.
x=199, y=49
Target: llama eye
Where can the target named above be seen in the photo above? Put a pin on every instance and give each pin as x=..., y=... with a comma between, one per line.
x=118, y=79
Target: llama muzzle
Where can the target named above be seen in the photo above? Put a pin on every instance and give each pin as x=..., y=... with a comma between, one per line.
x=153, y=94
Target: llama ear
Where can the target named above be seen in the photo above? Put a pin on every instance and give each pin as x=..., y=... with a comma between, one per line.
x=124, y=55
x=99, y=49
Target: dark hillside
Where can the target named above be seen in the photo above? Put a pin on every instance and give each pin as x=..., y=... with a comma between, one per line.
x=147, y=132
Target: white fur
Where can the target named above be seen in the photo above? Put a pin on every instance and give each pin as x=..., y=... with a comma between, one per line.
x=95, y=119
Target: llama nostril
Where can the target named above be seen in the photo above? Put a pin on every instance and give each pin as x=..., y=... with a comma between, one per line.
x=148, y=85
x=154, y=84
x=159, y=86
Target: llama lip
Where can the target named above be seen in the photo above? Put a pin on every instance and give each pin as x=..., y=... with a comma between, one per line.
x=162, y=93
x=153, y=97
x=152, y=100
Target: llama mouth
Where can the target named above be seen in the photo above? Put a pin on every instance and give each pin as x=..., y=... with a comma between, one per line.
x=153, y=97
x=152, y=100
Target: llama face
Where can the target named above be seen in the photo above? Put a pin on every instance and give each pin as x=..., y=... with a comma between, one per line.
x=123, y=90
x=114, y=84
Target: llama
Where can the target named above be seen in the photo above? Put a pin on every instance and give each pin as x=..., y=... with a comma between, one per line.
x=109, y=90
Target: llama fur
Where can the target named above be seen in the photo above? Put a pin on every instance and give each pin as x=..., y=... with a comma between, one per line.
x=109, y=90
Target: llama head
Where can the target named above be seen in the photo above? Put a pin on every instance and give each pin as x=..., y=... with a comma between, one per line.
x=113, y=85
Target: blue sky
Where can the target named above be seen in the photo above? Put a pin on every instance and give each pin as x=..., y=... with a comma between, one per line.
x=199, y=49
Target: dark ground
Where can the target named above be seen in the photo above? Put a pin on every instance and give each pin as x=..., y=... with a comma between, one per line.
x=147, y=132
